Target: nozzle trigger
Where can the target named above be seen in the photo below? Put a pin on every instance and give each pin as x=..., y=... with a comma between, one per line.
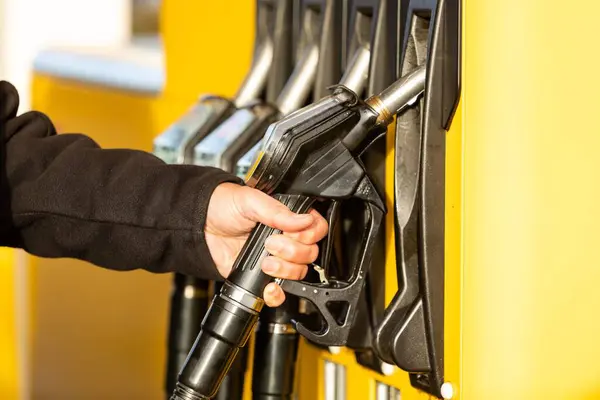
x=335, y=299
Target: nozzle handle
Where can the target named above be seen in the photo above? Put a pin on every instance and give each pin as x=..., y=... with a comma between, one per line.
x=189, y=303
x=246, y=272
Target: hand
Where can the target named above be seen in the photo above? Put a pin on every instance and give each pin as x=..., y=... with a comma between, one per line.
x=233, y=212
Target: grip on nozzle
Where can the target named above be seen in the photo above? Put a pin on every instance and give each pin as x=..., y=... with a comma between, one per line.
x=189, y=303
x=232, y=315
x=225, y=329
x=275, y=351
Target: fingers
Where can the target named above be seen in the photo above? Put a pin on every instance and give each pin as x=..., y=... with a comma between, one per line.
x=279, y=268
x=314, y=233
x=291, y=250
x=273, y=295
x=260, y=207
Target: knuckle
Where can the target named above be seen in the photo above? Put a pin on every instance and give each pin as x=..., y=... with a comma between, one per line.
x=280, y=208
x=304, y=237
x=320, y=219
x=304, y=272
x=290, y=271
x=279, y=215
x=313, y=252
x=292, y=251
x=311, y=236
x=300, y=272
x=323, y=230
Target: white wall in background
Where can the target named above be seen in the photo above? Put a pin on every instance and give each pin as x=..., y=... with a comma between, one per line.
x=26, y=26
x=2, y=28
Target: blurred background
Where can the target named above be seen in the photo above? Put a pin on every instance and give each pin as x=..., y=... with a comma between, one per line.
x=521, y=266
x=70, y=330
x=31, y=26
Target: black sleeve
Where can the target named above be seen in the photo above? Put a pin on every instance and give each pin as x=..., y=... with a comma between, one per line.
x=63, y=196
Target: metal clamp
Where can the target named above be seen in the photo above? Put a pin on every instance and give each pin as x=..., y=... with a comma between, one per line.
x=242, y=296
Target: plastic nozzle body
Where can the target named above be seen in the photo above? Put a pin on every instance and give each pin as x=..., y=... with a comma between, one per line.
x=232, y=316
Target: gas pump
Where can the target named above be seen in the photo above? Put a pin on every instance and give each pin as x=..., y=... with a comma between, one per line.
x=411, y=332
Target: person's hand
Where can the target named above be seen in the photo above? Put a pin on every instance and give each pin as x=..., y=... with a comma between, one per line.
x=233, y=212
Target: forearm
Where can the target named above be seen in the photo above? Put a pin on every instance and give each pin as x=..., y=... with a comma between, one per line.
x=119, y=209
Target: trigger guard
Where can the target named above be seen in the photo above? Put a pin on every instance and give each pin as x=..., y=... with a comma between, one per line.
x=334, y=333
x=316, y=337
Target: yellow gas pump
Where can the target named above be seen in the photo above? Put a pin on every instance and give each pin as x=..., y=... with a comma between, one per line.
x=529, y=264
x=521, y=195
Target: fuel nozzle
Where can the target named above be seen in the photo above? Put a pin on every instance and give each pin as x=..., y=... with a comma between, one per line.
x=382, y=107
x=293, y=162
x=276, y=343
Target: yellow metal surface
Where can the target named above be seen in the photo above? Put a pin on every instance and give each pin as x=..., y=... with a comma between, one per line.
x=91, y=322
x=531, y=195
x=208, y=46
x=9, y=380
x=454, y=276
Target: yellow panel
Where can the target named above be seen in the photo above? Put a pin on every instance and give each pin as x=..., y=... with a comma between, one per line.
x=453, y=261
x=112, y=118
x=531, y=197
x=9, y=384
x=86, y=317
x=208, y=45
x=391, y=275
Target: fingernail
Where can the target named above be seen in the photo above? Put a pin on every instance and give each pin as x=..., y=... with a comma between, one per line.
x=271, y=290
x=304, y=217
x=273, y=244
x=292, y=235
x=270, y=266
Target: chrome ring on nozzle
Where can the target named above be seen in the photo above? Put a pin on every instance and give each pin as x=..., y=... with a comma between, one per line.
x=398, y=95
x=281, y=329
x=242, y=297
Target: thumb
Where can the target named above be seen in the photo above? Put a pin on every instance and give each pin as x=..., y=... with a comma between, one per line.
x=264, y=209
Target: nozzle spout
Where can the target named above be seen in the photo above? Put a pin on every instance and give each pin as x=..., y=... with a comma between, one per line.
x=256, y=80
x=298, y=86
x=399, y=95
x=393, y=100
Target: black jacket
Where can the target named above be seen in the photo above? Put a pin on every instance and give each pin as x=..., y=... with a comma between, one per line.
x=63, y=196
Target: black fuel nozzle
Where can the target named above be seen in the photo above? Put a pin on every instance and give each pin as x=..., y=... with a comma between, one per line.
x=276, y=343
x=233, y=384
x=189, y=303
x=311, y=154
